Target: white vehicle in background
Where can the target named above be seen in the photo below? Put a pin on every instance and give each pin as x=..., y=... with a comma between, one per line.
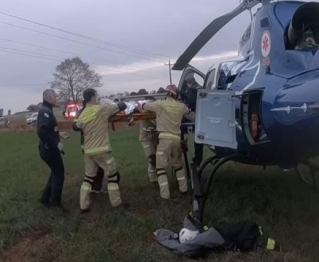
x=4, y=122
x=32, y=119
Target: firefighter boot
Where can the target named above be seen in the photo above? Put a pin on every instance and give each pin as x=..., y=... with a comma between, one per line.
x=163, y=184
x=152, y=173
x=181, y=179
x=85, y=200
x=152, y=169
x=114, y=190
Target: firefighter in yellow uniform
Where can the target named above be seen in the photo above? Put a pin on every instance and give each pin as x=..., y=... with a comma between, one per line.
x=97, y=149
x=148, y=138
x=169, y=114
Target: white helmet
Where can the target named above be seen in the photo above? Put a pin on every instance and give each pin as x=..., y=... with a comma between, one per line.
x=186, y=235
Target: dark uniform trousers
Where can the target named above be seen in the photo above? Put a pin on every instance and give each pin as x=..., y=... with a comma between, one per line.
x=48, y=133
x=53, y=189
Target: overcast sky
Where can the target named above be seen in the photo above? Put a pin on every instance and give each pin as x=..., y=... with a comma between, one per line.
x=161, y=27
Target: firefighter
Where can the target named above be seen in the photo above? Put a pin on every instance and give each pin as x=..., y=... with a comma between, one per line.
x=148, y=138
x=97, y=184
x=97, y=149
x=169, y=114
x=50, y=149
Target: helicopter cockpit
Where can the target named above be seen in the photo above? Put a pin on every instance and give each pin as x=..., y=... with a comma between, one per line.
x=309, y=38
x=221, y=75
x=302, y=33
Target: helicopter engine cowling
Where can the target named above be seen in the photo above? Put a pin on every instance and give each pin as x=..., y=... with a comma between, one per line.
x=306, y=17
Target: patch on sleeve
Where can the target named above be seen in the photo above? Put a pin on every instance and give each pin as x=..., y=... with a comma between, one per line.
x=46, y=115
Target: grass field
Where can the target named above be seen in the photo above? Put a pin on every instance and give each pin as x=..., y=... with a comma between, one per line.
x=286, y=208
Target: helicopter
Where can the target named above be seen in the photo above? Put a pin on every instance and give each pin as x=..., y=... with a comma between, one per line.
x=263, y=107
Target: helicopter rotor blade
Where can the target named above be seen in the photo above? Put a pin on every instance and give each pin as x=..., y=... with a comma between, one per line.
x=206, y=35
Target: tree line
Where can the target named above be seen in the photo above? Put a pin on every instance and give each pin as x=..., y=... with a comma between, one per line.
x=72, y=77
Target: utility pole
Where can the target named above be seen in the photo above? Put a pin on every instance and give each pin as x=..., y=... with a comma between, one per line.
x=170, y=70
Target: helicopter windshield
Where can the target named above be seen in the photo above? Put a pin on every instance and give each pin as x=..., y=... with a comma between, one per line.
x=284, y=12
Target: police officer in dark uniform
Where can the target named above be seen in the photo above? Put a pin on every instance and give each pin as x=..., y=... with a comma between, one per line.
x=50, y=149
x=98, y=180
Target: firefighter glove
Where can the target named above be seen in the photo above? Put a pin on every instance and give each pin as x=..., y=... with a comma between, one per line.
x=60, y=146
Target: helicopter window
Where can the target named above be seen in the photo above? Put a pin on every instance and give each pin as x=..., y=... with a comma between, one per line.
x=264, y=22
x=234, y=70
x=285, y=11
x=192, y=80
x=210, y=80
x=246, y=35
x=191, y=84
x=243, y=43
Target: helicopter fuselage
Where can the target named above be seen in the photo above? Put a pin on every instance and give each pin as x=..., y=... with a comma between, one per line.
x=277, y=92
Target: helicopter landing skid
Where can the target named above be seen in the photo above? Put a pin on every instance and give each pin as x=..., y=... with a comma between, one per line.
x=199, y=195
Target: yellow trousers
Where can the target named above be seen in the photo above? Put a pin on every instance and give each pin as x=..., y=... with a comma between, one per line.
x=108, y=163
x=149, y=147
x=169, y=149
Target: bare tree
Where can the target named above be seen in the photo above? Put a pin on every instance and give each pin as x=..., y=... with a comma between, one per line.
x=72, y=77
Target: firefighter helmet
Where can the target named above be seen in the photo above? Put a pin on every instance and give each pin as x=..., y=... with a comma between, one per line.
x=172, y=91
x=187, y=235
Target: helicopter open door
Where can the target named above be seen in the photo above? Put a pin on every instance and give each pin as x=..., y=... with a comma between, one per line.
x=190, y=76
x=215, y=122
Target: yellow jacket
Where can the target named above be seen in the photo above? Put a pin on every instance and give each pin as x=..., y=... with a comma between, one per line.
x=94, y=123
x=169, y=115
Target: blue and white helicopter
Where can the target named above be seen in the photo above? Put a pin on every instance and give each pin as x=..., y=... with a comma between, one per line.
x=262, y=109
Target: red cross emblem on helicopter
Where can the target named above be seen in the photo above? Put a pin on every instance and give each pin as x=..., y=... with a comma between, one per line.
x=265, y=43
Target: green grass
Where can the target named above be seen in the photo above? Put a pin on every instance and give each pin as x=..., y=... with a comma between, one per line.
x=287, y=209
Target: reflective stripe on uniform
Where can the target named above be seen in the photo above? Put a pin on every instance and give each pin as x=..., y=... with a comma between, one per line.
x=89, y=179
x=97, y=150
x=161, y=172
x=113, y=186
x=89, y=114
x=260, y=231
x=271, y=244
x=172, y=107
x=86, y=186
x=110, y=161
x=169, y=135
x=163, y=184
